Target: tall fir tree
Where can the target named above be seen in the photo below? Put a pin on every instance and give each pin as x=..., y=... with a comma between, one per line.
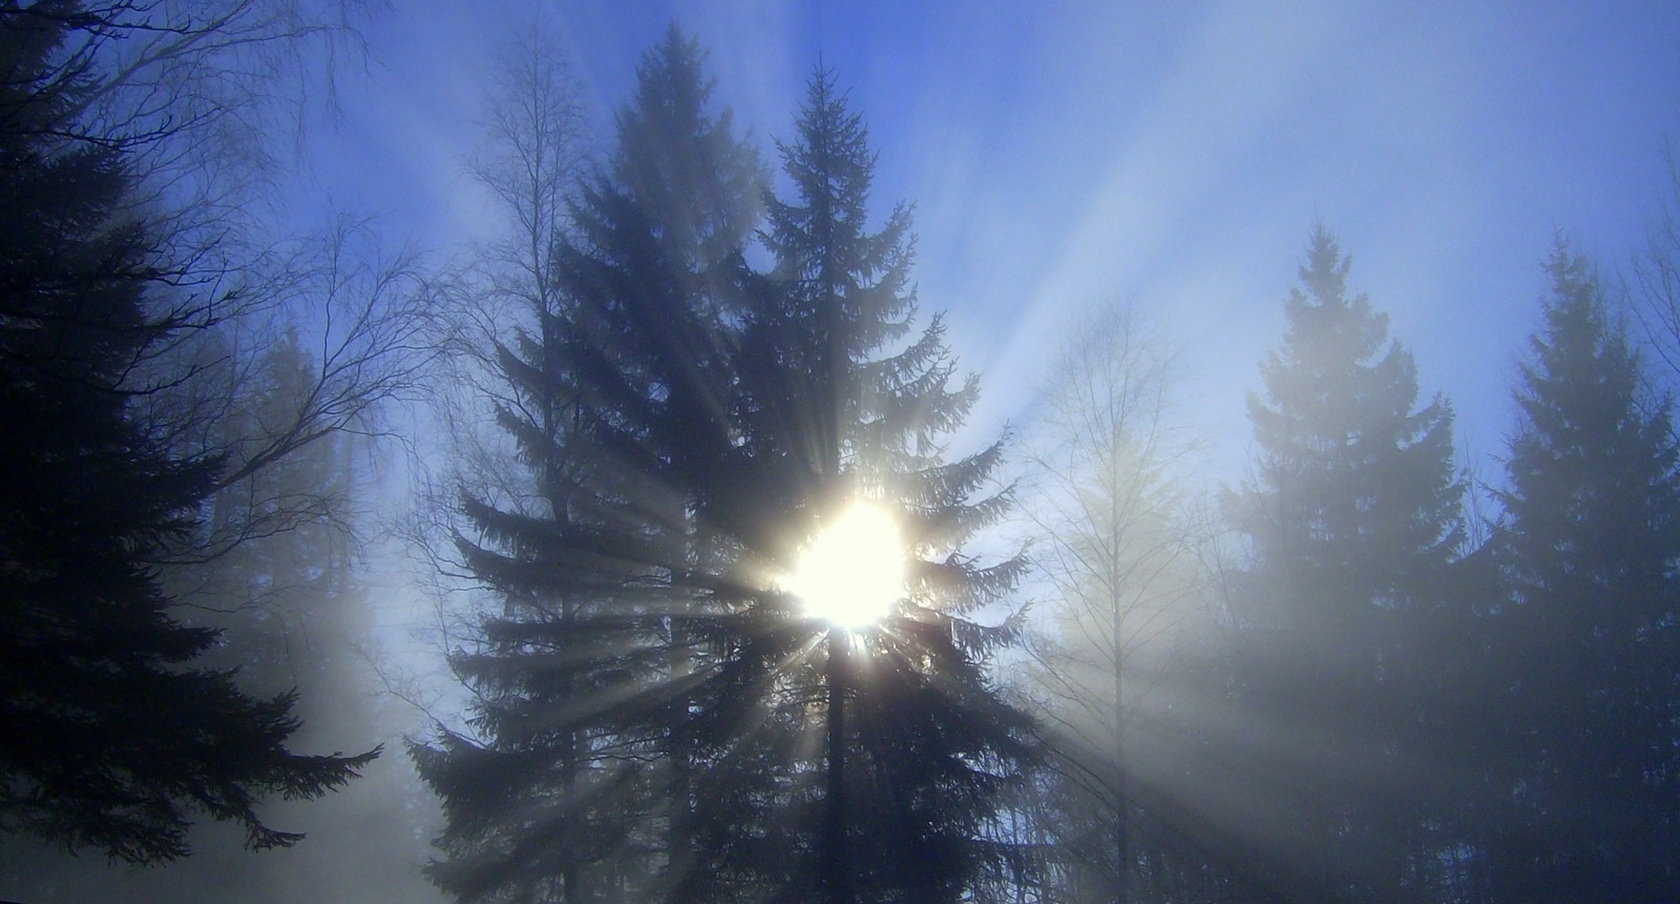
x=1591, y=640
x=1353, y=518
x=579, y=784
x=845, y=402
x=650, y=689
x=116, y=733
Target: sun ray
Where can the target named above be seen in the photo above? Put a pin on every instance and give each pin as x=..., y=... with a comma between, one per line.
x=853, y=573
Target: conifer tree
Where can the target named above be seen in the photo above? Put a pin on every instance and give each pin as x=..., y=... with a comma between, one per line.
x=845, y=409
x=1591, y=639
x=578, y=786
x=116, y=733
x=1353, y=518
x=650, y=690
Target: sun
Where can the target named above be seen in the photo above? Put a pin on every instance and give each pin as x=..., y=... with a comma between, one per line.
x=853, y=571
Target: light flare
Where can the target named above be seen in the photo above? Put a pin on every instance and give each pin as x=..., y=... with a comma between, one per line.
x=853, y=571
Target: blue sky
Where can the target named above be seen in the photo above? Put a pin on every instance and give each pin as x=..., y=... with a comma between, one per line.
x=1174, y=155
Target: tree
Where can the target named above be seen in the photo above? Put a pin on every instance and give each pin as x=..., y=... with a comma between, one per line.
x=116, y=736
x=1119, y=587
x=281, y=562
x=193, y=96
x=1656, y=300
x=1590, y=639
x=293, y=612
x=841, y=408
x=649, y=687
x=576, y=784
x=1353, y=520
x=507, y=301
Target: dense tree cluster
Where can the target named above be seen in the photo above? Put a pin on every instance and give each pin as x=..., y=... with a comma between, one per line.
x=1397, y=712
x=1338, y=682
x=650, y=700
x=117, y=732
x=655, y=717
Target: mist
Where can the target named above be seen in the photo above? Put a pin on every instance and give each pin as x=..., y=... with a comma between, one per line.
x=421, y=423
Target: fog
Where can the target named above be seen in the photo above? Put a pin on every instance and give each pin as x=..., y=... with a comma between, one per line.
x=1268, y=411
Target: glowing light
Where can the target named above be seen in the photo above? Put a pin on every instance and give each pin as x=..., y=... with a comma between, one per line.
x=853, y=571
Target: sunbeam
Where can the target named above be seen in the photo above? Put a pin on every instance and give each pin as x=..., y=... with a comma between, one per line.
x=852, y=573
x=717, y=451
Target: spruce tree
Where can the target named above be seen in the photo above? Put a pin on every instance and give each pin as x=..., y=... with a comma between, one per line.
x=845, y=409
x=650, y=688
x=579, y=783
x=1353, y=519
x=1591, y=638
x=116, y=733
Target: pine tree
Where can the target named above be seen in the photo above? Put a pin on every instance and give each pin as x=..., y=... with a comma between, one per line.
x=116, y=734
x=1353, y=519
x=844, y=409
x=579, y=786
x=650, y=690
x=1591, y=639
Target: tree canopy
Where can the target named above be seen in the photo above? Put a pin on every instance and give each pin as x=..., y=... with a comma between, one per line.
x=680, y=374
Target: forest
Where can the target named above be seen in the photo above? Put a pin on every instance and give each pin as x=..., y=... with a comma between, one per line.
x=644, y=452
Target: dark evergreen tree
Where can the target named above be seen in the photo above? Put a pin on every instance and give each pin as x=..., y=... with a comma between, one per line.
x=293, y=614
x=579, y=785
x=650, y=692
x=1591, y=640
x=1353, y=519
x=115, y=733
x=855, y=412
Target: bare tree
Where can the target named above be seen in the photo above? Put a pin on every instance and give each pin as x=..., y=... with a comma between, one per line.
x=491, y=311
x=170, y=106
x=505, y=299
x=358, y=320
x=1655, y=300
x=1119, y=574
x=193, y=93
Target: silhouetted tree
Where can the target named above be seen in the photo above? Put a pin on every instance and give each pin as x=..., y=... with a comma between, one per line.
x=116, y=735
x=1591, y=638
x=648, y=688
x=1353, y=518
x=578, y=784
x=293, y=612
x=191, y=95
x=839, y=408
